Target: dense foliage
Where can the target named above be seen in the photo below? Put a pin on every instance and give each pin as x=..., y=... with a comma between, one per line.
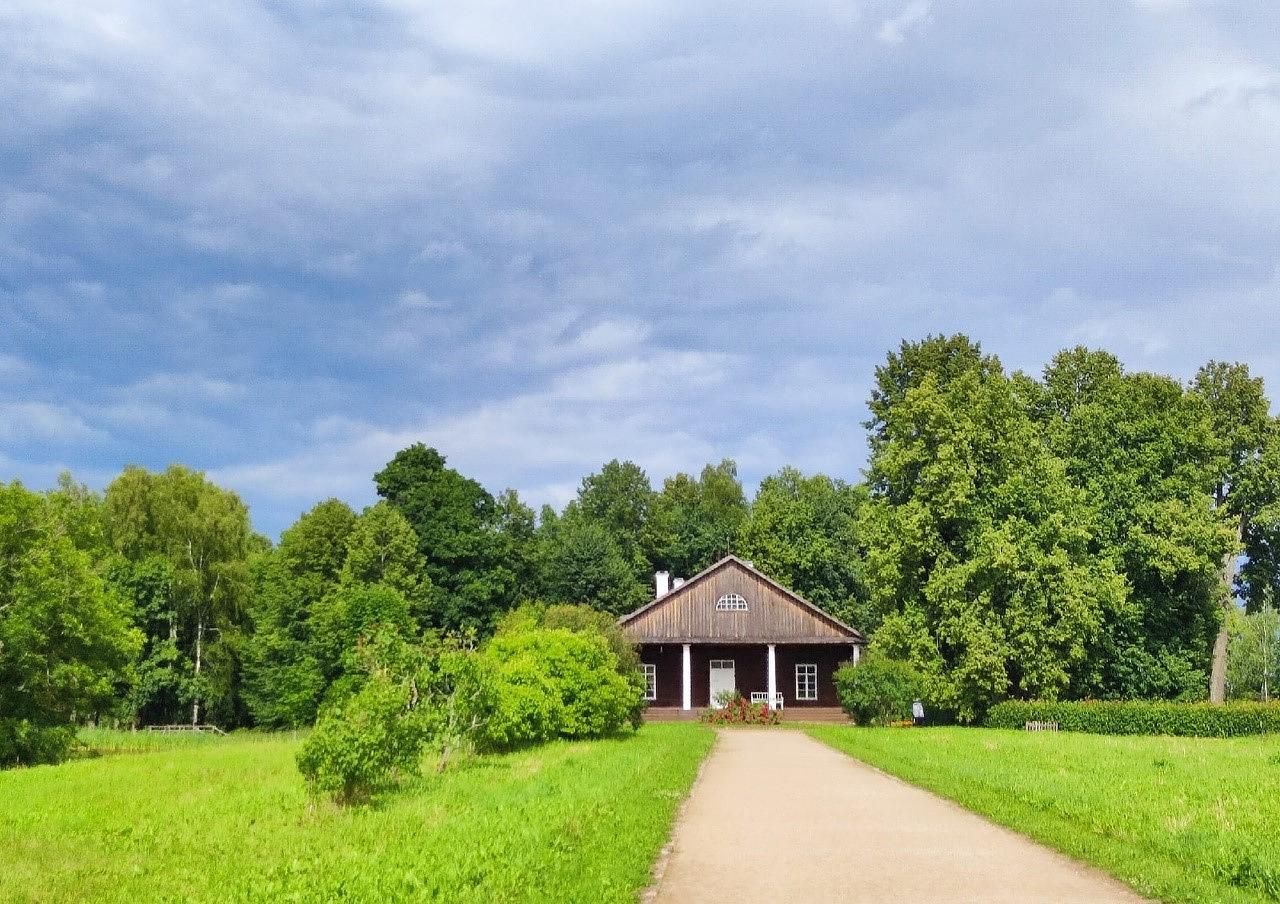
x=1071, y=535
x=879, y=690
x=65, y=637
x=556, y=682
x=1140, y=717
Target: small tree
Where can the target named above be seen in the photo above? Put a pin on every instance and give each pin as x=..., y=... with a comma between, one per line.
x=408, y=698
x=1253, y=659
x=363, y=743
x=878, y=691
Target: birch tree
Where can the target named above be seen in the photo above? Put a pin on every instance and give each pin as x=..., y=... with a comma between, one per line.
x=203, y=532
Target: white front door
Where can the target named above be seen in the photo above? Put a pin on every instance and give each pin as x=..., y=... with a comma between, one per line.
x=722, y=679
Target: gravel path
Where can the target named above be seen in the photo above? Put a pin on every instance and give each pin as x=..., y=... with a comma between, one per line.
x=778, y=817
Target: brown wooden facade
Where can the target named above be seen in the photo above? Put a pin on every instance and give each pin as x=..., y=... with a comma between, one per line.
x=799, y=633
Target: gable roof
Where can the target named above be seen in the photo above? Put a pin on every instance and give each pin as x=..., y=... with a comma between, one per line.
x=836, y=628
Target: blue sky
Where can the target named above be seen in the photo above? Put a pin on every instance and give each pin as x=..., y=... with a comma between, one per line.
x=280, y=241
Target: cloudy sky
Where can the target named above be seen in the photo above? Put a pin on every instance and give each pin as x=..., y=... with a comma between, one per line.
x=279, y=241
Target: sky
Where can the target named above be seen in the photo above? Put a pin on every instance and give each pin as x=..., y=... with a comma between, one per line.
x=279, y=241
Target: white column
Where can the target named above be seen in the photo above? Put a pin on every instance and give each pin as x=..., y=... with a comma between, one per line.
x=857, y=653
x=687, y=699
x=773, y=678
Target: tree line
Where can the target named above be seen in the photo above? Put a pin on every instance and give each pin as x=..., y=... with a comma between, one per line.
x=1083, y=533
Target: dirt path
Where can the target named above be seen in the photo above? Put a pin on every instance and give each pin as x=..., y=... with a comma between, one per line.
x=778, y=817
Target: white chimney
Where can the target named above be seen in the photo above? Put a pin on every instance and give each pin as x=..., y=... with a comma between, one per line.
x=677, y=584
x=662, y=582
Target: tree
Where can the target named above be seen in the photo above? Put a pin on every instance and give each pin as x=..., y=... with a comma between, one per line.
x=977, y=559
x=1143, y=451
x=619, y=498
x=804, y=532
x=1259, y=496
x=202, y=531
x=580, y=562
x=693, y=522
x=1253, y=661
x=1238, y=407
x=459, y=534
x=284, y=680
x=383, y=549
x=65, y=638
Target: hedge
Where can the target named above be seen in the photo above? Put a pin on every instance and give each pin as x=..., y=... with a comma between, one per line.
x=1197, y=720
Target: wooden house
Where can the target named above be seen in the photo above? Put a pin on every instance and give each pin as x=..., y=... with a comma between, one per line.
x=732, y=628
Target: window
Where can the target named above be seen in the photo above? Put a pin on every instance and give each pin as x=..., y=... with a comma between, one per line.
x=731, y=602
x=650, y=681
x=806, y=681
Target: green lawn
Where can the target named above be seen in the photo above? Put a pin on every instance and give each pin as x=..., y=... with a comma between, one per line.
x=229, y=820
x=1179, y=819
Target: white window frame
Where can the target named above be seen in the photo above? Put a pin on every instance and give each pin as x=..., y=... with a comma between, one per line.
x=808, y=691
x=650, y=680
x=731, y=602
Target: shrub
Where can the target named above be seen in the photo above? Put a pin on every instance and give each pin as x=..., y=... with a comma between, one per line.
x=735, y=710
x=411, y=697
x=26, y=743
x=1201, y=720
x=879, y=690
x=551, y=683
x=363, y=743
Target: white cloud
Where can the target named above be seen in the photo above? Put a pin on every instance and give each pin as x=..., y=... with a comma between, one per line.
x=914, y=17
x=41, y=421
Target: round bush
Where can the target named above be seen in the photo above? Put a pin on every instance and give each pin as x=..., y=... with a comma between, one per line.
x=877, y=691
x=557, y=683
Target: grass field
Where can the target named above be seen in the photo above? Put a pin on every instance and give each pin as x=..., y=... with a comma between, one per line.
x=229, y=820
x=106, y=741
x=1179, y=819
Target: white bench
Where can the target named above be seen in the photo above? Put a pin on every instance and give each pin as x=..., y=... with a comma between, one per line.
x=763, y=697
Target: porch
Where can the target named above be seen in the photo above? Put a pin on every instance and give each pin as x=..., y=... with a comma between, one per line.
x=792, y=676
x=825, y=714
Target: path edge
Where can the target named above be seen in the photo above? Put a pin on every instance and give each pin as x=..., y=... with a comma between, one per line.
x=659, y=869
x=1077, y=862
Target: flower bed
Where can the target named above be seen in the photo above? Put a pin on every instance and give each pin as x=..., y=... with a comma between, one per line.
x=737, y=711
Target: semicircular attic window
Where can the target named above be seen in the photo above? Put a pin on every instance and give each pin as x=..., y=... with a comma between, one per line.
x=731, y=602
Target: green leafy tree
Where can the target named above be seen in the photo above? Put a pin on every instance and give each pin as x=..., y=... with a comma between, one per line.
x=1143, y=450
x=284, y=679
x=202, y=531
x=577, y=618
x=433, y=694
x=804, y=532
x=978, y=557
x=518, y=542
x=1238, y=406
x=460, y=537
x=1253, y=661
x=1259, y=577
x=581, y=562
x=65, y=638
x=693, y=522
x=619, y=498
x=383, y=549
x=344, y=620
